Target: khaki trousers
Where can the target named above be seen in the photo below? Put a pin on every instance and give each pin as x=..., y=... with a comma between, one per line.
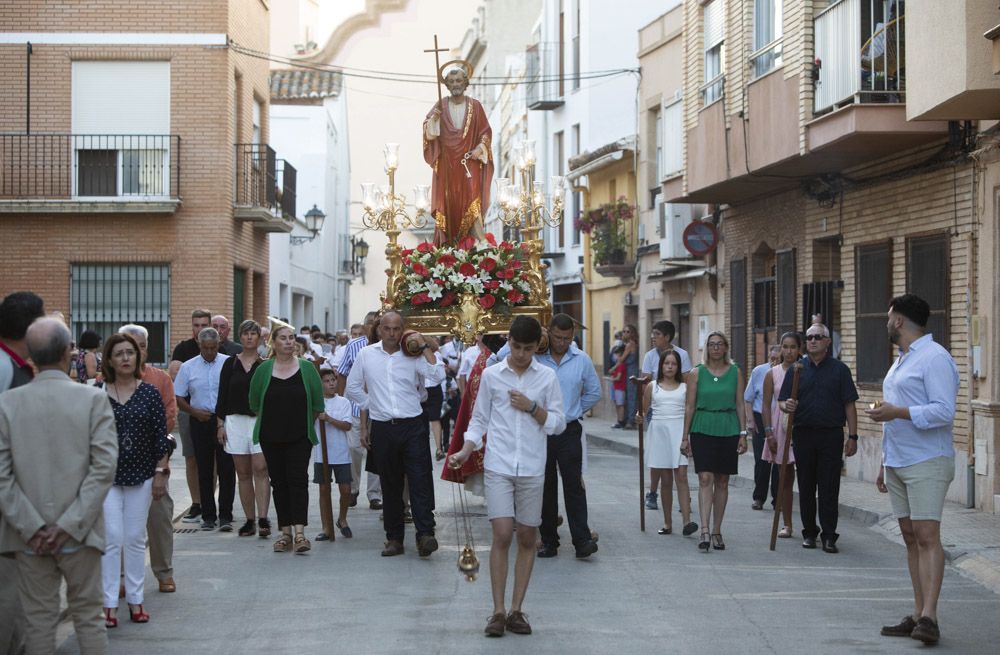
x=11, y=615
x=38, y=587
x=160, y=532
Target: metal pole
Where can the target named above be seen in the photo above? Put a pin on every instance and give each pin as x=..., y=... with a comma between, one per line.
x=27, y=94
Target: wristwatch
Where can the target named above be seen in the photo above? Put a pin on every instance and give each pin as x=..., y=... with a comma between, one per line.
x=163, y=470
x=743, y=433
x=852, y=437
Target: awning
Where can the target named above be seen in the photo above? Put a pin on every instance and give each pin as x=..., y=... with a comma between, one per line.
x=675, y=274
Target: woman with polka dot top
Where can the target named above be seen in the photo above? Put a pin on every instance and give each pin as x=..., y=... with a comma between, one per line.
x=142, y=453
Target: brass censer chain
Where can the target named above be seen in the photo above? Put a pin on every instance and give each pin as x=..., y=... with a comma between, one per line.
x=468, y=563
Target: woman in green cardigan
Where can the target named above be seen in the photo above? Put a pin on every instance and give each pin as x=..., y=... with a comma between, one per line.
x=286, y=394
x=712, y=433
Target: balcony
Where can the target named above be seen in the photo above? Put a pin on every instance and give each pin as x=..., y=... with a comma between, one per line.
x=89, y=173
x=265, y=188
x=613, y=239
x=545, y=81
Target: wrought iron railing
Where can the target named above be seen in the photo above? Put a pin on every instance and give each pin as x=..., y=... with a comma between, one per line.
x=860, y=52
x=263, y=180
x=545, y=77
x=83, y=166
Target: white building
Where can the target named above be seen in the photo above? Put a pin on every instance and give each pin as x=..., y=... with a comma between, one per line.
x=311, y=274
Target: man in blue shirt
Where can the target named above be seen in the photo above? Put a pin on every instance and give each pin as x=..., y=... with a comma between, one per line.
x=753, y=397
x=198, y=379
x=581, y=389
x=825, y=403
x=918, y=414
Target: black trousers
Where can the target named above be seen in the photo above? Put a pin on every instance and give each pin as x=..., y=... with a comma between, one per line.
x=288, y=467
x=565, y=451
x=403, y=453
x=763, y=472
x=819, y=457
x=210, y=456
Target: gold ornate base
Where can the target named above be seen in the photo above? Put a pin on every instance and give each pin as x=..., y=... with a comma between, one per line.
x=468, y=319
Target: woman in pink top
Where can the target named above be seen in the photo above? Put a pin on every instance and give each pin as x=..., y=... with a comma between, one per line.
x=774, y=422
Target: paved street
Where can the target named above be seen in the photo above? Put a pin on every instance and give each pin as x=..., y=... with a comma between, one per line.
x=641, y=593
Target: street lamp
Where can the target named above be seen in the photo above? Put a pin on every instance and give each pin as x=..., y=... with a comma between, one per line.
x=314, y=223
x=359, y=251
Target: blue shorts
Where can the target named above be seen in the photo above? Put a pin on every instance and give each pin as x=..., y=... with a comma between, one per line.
x=341, y=473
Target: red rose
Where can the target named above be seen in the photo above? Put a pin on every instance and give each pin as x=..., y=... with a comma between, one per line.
x=447, y=260
x=506, y=245
x=488, y=264
x=515, y=296
x=439, y=282
x=506, y=274
x=420, y=269
x=406, y=252
x=516, y=263
x=420, y=299
x=447, y=299
x=524, y=275
x=486, y=301
x=526, y=247
x=490, y=239
x=467, y=242
x=406, y=261
x=467, y=269
x=425, y=247
x=491, y=284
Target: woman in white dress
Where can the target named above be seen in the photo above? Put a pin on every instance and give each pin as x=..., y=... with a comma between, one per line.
x=666, y=399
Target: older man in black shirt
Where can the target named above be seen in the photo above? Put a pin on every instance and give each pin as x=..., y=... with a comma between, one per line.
x=825, y=402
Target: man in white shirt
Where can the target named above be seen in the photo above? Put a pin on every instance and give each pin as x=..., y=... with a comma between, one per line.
x=389, y=384
x=519, y=404
x=467, y=361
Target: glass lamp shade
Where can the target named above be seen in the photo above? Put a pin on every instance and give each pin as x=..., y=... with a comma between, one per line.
x=361, y=249
x=314, y=219
x=537, y=193
x=368, y=195
x=558, y=187
x=391, y=153
x=529, y=152
x=421, y=199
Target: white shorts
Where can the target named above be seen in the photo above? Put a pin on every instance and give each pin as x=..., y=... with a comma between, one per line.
x=239, y=435
x=516, y=497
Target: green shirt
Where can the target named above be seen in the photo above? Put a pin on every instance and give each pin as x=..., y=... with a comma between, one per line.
x=715, y=403
x=314, y=395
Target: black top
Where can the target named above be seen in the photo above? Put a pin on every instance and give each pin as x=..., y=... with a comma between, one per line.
x=823, y=392
x=284, y=417
x=142, y=435
x=234, y=388
x=185, y=350
x=230, y=347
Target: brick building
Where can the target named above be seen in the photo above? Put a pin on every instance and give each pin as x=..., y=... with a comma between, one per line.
x=135, y=179
x=837, y=184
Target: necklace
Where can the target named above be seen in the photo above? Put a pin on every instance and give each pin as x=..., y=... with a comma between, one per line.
x=114, y=390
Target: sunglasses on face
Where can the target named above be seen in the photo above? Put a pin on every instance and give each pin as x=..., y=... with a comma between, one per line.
x=814, y=337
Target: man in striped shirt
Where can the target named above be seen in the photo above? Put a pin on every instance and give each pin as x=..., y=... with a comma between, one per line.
x=359, y=419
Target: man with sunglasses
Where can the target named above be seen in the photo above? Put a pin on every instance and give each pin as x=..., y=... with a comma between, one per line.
x=826, y=397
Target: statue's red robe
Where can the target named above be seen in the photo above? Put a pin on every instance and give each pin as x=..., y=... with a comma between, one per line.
x=456, y=209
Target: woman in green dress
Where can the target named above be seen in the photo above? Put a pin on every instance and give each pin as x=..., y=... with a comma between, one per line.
x=712, y=434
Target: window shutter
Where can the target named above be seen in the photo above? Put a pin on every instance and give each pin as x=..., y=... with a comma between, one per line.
x=785, y=274
x=737, y=312
x=121, y=97
x=673, y=137
x=715, y=23
x=927, y=268
x=874, y=291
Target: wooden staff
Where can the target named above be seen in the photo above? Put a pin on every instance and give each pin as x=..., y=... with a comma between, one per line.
x=640, y=389
x=325, y=489
x=781, y=500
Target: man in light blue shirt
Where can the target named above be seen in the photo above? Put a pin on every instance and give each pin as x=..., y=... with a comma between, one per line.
x=918, y=455
x=663, y=340
x=753, y=397
x=197, y=389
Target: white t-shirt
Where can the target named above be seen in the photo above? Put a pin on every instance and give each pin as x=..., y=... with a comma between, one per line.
x=469, y=358
x=337, y=451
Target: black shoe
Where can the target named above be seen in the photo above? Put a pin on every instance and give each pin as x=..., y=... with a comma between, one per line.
x=926, y=631
x=829, y=546
x=586, y=549
x=248, y=529
x=264, y=527
x=426, y=545
x=354, y=501
x=322, y=537
x=392, y=548
x=193, y=515
x=225, y=526
x=208, y=525
x=689, y=529
x=901, y=629
x=547, y=551
x=757, y=505
x=375, y=504
x=809, y=542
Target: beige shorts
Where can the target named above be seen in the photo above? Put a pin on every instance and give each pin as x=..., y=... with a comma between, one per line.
x=917, y=492
x=239, y=435
x=517, y=497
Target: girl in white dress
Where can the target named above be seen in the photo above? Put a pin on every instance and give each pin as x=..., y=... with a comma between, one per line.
x=666, y=399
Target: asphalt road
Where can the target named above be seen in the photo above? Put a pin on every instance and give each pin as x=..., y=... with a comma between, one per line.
x=641, y=593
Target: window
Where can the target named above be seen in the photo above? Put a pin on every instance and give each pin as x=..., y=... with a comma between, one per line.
x=785, y=274
x=714, y=35
x=256, y=122
x=120, y=120
x=577, y=197
x=576, y=46
x=737, y=312
x=873, y=273
x=927, y=268
x=239, y=296
x=562, y=48
x=673, y=138
x=766, y=53
x=103, y=297
x=559, y=153
x=658, y=131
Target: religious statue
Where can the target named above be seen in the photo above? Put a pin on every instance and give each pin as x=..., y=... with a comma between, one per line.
x=457, y=141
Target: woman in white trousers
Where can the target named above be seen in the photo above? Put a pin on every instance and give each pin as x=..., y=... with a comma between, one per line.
x=142, y=456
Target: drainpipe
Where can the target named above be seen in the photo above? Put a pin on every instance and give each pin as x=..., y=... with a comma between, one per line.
x=27, y=91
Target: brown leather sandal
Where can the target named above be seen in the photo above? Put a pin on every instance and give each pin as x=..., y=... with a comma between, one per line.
x=301, y=543
x=282, y=543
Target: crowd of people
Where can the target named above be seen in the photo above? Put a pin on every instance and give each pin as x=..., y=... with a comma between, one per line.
x=508, y=412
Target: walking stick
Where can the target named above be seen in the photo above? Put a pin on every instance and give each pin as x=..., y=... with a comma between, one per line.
x=783, y=471
x=325, y=489
x=640, y=386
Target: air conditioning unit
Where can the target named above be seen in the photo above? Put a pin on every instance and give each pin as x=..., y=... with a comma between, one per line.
x=673, y=219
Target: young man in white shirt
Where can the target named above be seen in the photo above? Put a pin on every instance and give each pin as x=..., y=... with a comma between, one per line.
x=519, y=404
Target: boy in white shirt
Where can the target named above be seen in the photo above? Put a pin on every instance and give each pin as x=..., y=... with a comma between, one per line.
x=337, y=417
x=519, y=405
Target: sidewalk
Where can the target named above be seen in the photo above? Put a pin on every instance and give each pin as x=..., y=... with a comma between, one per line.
x=971, y=538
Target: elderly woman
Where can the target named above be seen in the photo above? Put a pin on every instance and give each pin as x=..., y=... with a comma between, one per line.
x=712, y=420
x=236, y=422
x=142, y=454
x=286, y=394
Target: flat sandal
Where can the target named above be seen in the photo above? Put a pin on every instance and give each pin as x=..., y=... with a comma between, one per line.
x=282, y=543
x=301, y=543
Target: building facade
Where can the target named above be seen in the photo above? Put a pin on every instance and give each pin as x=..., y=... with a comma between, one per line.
x=135, y=173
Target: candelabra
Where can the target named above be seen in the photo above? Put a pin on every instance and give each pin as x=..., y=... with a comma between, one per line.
x=521, y=202
x=383, y=206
